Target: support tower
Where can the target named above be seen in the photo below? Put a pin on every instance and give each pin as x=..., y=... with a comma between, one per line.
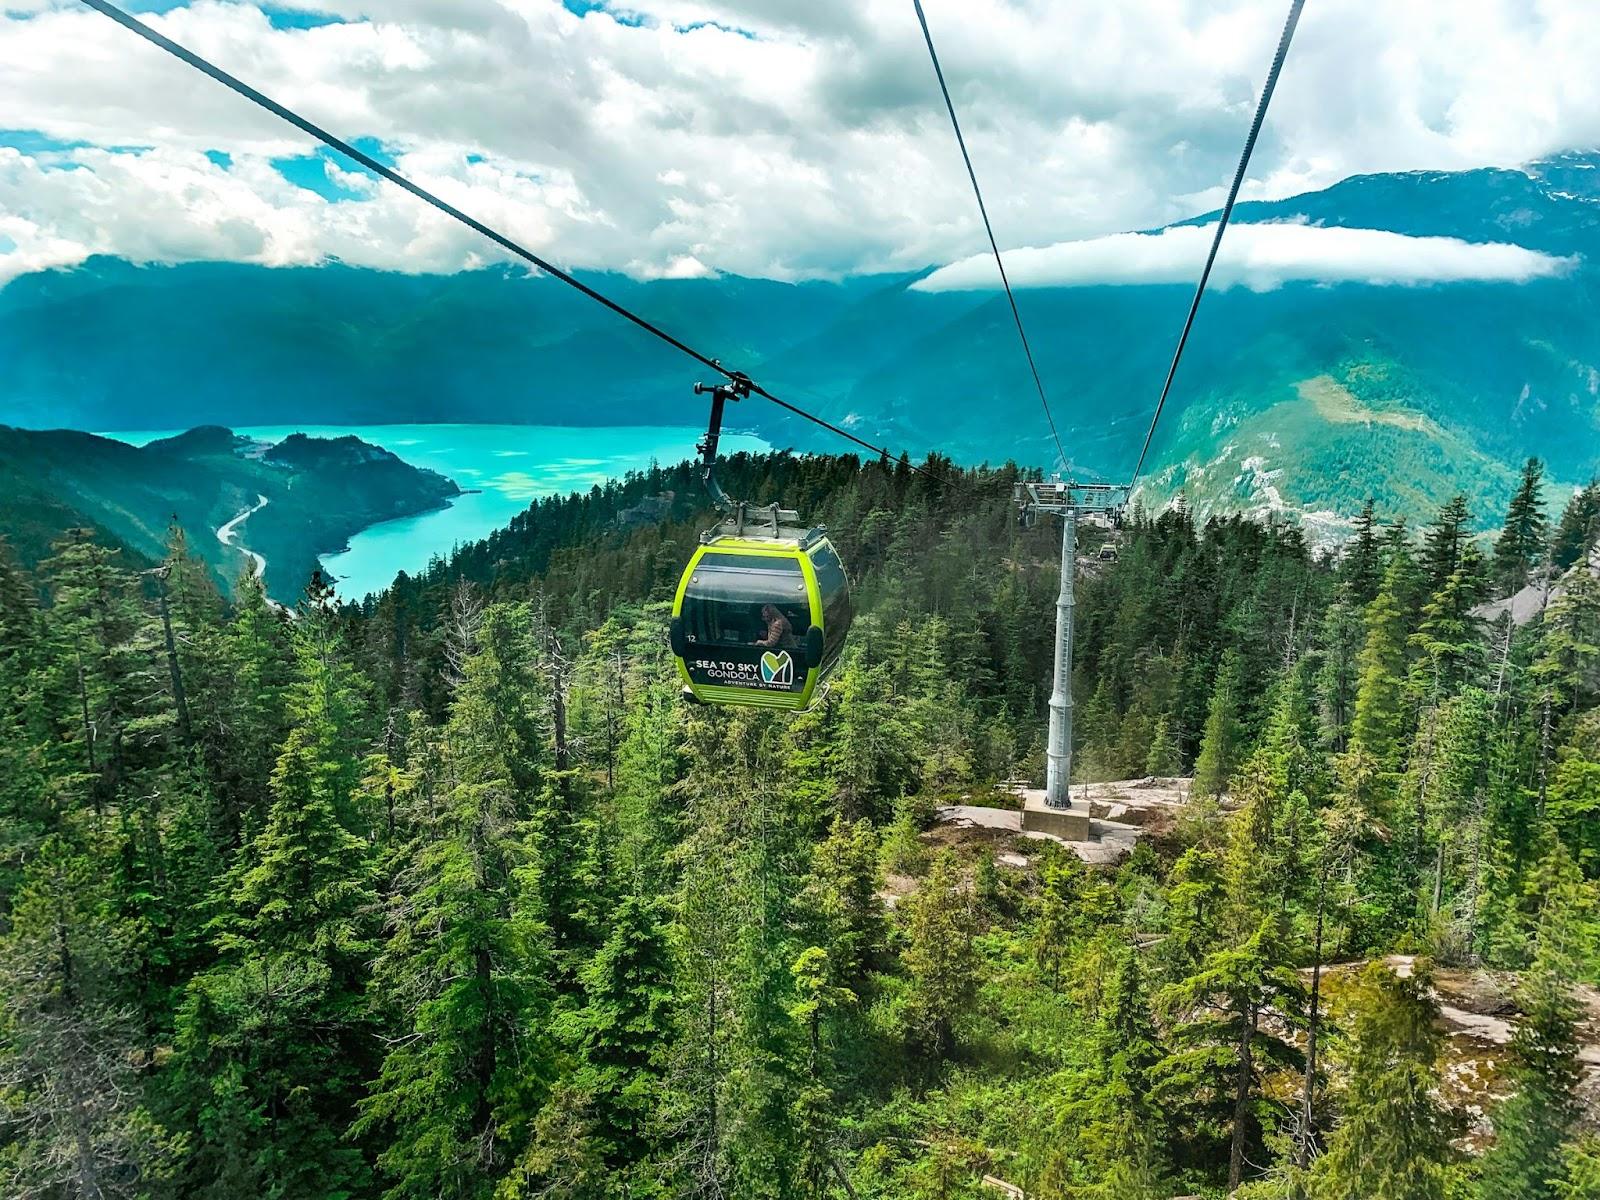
x=1101, y=503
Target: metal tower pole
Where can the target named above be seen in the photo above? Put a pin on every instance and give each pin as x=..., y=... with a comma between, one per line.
x=1059, y=752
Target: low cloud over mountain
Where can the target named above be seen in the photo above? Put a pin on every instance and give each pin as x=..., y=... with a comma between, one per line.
x=1257, y=256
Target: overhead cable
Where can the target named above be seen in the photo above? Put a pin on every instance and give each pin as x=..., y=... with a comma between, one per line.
x=1222, y=224
x=983, y=211
x=262, y=100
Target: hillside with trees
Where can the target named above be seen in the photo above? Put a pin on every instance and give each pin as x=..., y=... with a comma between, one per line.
x=302, y=497
x=451, y=895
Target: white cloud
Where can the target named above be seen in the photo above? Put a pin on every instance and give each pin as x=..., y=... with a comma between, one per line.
x=1258, y=256
x=166, y=205
x=817, y=146
x=32, y=249
x=685, y=266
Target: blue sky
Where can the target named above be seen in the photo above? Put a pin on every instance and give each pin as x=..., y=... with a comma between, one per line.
x=310, y=171
x=279, y=16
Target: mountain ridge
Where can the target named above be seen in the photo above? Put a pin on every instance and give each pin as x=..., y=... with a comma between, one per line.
x=1497, y=371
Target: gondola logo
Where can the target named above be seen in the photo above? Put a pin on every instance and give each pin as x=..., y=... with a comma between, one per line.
x=777, y=668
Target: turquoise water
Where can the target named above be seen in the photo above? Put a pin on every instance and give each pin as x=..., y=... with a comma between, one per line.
x=502, y=468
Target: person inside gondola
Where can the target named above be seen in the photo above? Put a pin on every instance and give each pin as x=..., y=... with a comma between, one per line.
x=779, y=631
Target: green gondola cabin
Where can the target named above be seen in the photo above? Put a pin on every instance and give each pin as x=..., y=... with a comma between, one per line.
x=760, y=621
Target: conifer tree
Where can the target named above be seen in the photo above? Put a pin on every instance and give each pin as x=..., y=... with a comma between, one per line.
x=620, y=1035
x=648, y=771
x=242, y=745
x=69, y=1061
x=1568, y=667
x=272, y=1043
x=1267, y=832
x=1379, y=715
x=842, y=892
x=1532, y=1125
x=1196, y=898
x=33, y=757
x=194, y=867
x=1339, y=640
x=1164, y=758
x=1450, y=800
x=325, y=700
x=866, y=760
x=465, y=967
x=1392, y=1142
x=1521, y=544
x=1574, y=796
x=1055, y=919
x=95, y=617
x=190, y=608
x=1362, y=567
x=812, y=1110
x=939, y=957
x=1578, y=529
x=1580, y=1175
x=1448, y=648
x=1121, y=1109
x=1444, y=542
x=1220, y=744
x=1226, y=1017
x=694, y=1106
x=562, y=1160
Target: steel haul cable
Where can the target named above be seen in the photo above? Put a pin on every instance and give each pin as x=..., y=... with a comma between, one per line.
x=262, y=100
x=983, y=211
x=1222, y=224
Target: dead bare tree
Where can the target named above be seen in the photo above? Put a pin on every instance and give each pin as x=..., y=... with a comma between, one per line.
x=462, y=623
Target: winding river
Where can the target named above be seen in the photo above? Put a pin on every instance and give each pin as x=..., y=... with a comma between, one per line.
x=227, y=533
x=500, y=468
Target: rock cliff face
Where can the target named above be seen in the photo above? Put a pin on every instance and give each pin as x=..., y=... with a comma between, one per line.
x=319, y=493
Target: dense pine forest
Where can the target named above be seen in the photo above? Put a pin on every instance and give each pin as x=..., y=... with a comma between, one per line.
x=449, y=894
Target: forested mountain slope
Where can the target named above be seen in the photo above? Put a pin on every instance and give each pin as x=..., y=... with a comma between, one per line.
x=1308, y=397
x=307, y=495
x=451, y=895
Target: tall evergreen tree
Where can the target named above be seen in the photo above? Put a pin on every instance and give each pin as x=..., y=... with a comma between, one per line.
x=842, y=892
x=1379, y=716
x=1532, y=1125
x=1229, y=1018
x=1444, y=542
x=242, y=743
x=621, y=1032
x=1392, y=1142
x=939, y=958
x=1220, y=744
x=69, y=1057
x=1362, y=567
x=1448, y=646
x=95, y=617
x=1339, y=641
x=1120, y=1111
x=465, y=967
x=1578, y=529
x=1521, y=544
x=272, y=1043
x=1164, y=757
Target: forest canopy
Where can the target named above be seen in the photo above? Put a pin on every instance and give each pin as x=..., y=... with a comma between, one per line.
x=450, y=894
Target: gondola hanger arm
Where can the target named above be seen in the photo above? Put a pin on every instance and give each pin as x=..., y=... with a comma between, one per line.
x=736, y=387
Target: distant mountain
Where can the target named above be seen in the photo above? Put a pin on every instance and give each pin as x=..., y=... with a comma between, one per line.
x=1306, y=398
x=318, y=493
